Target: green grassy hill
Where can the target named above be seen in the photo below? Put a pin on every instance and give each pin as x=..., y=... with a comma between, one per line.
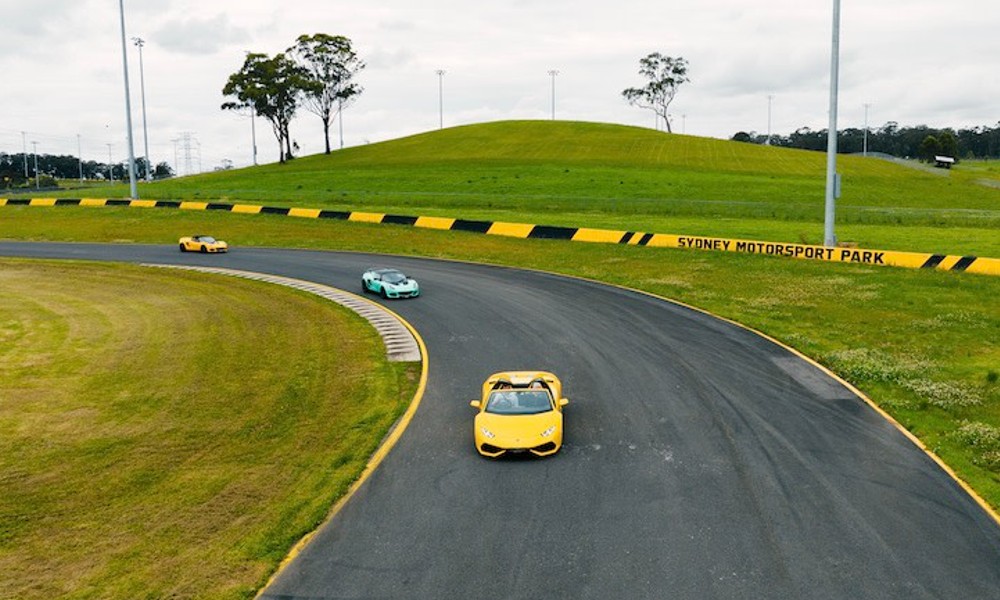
x=572, y=173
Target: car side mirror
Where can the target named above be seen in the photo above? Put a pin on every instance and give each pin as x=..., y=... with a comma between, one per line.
x=475, y=404
x=563, y=401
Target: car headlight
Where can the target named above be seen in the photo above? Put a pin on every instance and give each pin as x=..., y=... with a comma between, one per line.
x=486, y=433
x=549, y=431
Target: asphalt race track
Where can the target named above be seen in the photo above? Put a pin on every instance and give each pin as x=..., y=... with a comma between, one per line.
x=700, y=461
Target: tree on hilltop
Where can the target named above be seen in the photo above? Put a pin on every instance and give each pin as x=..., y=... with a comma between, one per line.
x=270, y=86
x=329, y=64
x=665, y=75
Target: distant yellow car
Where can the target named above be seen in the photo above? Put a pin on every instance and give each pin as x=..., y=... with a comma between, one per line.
x=202, y=243
x=520, y=411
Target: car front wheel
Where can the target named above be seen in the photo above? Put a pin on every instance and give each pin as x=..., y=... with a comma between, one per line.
x=181, y=246
x=204, y=249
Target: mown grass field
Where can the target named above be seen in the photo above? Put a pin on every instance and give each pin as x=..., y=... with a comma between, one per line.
x=171, y=435
x=586, y=174
x=925, y=345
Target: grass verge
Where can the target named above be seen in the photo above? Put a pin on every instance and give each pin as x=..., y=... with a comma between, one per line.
x=171, y=434
x=599, y=175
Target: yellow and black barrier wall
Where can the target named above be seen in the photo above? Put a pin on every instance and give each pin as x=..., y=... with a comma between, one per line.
x=913, y=260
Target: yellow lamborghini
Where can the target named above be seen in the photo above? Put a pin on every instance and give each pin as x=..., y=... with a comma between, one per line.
x=202, y=243
x=520, y=411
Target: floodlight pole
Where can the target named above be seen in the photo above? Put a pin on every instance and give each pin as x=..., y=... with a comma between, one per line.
x=24, y=153
x=253, y=135
x=553, y=74
x=79, y=156
x=34, y=151
x=864, y=151
x=139, y=42
x=134, y=194
x=340, y=121
x=770, y=97
x=829, y=237
x=440, y=74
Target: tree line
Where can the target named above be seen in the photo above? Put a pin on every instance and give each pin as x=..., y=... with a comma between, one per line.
x=52, y=167
x=920, y=141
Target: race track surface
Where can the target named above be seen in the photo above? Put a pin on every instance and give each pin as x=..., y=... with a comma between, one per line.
x=701, y=461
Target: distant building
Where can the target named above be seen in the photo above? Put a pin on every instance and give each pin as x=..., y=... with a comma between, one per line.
x=943, y=162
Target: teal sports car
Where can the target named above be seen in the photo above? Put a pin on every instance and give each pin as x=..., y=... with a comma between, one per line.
x=389, y=283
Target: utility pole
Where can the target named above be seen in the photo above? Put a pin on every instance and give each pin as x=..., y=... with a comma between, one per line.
x=770, y=97
x=440, y=74
x=553, y=74
x=340, y=120
x=829, y=237
x=34, y=150
x=134, y=194
x=79, y=156
x=24, y=153
x=864, y=147
x=139, y=42
x=253, y=135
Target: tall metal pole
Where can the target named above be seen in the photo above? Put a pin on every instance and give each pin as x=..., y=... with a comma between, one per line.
x=770, y=97
x=829, y=238
x=134, y=193
x=440, y=74
x=142, y=87
x=340, y=121
x=553, y=74
x=24, y=153
x=79, y=156
x=177, y=165
x=253, y=135
x=864, y=151
x=111, y=169
x=34, y=151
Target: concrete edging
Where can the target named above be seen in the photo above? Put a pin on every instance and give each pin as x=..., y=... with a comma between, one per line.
x=400, y=344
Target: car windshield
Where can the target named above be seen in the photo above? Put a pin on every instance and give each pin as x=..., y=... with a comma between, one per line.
x=393, y=277
x=518, y=402
x=207, y=239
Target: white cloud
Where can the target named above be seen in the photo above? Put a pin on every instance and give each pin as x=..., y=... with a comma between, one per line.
x=914, y=61
x=197, y=36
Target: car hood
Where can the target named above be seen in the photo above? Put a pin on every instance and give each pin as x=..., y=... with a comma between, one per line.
x=409, y=284
x=504, y=426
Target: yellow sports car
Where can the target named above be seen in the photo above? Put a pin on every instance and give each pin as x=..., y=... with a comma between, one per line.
x=202, y=243
x=520, y=411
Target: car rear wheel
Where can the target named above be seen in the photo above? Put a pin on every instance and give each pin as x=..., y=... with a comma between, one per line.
x=181, y=246
x=364, y=286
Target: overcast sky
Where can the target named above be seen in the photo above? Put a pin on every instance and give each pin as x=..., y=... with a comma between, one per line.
x=914, y=61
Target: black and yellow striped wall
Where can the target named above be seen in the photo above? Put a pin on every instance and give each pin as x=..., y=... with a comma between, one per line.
x=914, y=260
